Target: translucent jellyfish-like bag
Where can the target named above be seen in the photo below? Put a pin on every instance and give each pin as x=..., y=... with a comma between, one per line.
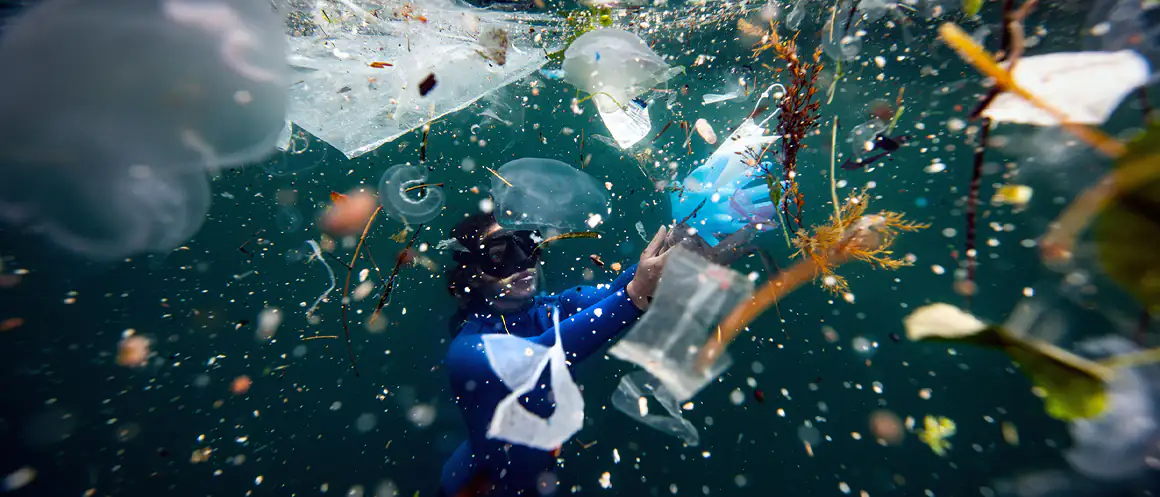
x=693, y=296
x=632, y=397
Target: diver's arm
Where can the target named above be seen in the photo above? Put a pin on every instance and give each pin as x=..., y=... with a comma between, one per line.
x=582, y=297
x=586, y=331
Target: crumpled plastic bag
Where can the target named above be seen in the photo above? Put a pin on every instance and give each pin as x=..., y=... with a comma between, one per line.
x=632, y=397
x=616, y=66
x=519, y=363
x=365, y=68
x=694, y=295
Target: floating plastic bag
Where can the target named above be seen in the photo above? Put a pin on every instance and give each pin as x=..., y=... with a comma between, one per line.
x=546, y=194
x=1086, y=86
x=693, y=296
x=633, y=396
x=616, y=66
x=721, y=184
x=519, y=363
x=369, y=71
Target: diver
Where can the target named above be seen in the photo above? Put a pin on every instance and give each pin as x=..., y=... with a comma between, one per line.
x=495, y=282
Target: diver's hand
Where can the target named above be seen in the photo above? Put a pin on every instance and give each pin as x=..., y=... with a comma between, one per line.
x=648, y=271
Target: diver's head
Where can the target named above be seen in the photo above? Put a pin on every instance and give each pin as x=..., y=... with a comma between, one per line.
x=496, y=266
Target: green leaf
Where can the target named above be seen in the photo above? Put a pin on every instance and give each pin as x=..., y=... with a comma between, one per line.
x=972, y=7
x=774, y=190
x=1072, y=387
x=1127, y=231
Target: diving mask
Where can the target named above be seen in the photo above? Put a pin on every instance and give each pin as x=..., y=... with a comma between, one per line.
x=507, y=252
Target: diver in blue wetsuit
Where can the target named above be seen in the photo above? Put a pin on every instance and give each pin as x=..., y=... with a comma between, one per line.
x=495, y=282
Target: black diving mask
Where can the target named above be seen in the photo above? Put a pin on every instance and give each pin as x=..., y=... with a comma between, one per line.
x=507, y=252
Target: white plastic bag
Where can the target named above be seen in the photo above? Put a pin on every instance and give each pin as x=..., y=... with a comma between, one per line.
x=519, y=363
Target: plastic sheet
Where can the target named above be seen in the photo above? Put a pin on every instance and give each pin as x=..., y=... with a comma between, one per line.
x=519, y=363
x=616, y=66
x=419, y=205
x=693, y=296
x=361, y=64
x=546, y=194
x=733, y=193
x=640, y=390
x=1086, y=86
x=122, y=106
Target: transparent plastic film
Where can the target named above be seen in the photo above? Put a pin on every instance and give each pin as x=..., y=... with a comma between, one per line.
x=636, y=397
x=370, y=71
x=693, y=296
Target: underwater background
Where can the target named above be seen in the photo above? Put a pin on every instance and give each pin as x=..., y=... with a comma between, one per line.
x=308, y=425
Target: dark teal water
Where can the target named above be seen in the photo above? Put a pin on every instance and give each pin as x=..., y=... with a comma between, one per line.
x=85, y=423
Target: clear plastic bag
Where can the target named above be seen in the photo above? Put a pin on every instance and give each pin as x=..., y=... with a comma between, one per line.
x=616, y=66
x=693, y=296
x=640, y=390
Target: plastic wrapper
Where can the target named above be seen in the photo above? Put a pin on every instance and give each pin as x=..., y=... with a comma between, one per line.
x=369, y=71
x=639, y=392
x=520, y=363
x=616, y=66
x=733, y=193
x=1086, y=86
x=546, y=194
x=693, y=296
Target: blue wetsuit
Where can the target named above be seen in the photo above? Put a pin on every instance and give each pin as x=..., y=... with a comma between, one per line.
x=589, y=317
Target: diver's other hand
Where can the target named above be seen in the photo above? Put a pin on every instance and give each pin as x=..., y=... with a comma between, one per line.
x=648, y=271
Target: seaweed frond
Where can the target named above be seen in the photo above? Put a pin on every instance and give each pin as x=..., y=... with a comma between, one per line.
x=852, y=234
x=799, y=108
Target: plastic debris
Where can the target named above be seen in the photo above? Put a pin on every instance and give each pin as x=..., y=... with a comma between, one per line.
x=546, y=194
x=1086, y=86
x=693, y=296
x=713, y=98
x=706, y=131
x=360, y=76
x=519, y=363
x=316, y=255
x=616, y=66
x=722, y=183
x=633, y=396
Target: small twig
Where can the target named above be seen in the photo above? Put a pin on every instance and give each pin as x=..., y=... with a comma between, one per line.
x=498, y=176
x=973, y=200
x=394, y=274
x=346, y=288
x=833, y=181
x=336, y=259
x=424, y=185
